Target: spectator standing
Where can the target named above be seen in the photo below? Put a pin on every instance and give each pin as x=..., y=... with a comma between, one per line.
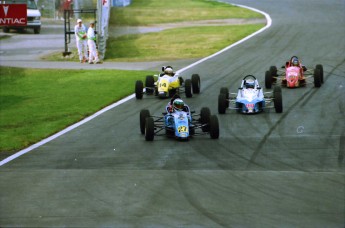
x=68, y=5
x=91, y=42
x=81, y=40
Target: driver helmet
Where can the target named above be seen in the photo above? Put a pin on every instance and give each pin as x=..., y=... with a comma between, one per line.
x=294, y=61
x=178, y=104
x=169, y=71
x=250, y=84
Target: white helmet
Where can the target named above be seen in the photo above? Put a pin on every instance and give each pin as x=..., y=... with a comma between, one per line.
x=250, y=84
x=169, y=71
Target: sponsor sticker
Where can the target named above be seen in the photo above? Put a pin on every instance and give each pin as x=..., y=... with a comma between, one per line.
x=13, y=15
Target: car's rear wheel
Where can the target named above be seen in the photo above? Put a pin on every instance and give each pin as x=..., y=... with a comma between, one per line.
x=149, y=129
x=143, y=115
x=188, y=88
x=149, y=84
x=196, y=83
x=319, y=66
x=214, y=127
x=278, y=99
x=222, y=103
x=268, y=79
x=317, y=77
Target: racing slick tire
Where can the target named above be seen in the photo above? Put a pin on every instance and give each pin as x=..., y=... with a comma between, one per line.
x=317, y=77
x=143, y=115
x=214, y=127
x=268, y=79
x=196, y=83
x=188, y=88
x=222, y=103
x=149, y=129
x=273, y=70
x=139, y=89
x=278, y=99
x=319, y=66
x=226, y=92
x=205, y=114
x=149, y=84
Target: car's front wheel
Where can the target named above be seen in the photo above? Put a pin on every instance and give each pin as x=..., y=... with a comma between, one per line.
x=205, y=114
x=139, y=86
x=143, y=115
x=149, y=129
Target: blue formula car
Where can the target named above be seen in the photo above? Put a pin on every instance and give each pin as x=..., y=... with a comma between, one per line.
x=250, y=98
x=179, y=122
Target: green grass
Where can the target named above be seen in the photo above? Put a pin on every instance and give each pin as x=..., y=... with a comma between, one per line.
x=154, y=46
x=150, y=12
x=180, y=43
x=35, y=103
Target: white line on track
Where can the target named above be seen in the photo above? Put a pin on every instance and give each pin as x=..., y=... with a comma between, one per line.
x=70, y=128
x=44, y=141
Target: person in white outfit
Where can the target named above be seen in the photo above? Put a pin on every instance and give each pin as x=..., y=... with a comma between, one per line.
x=91, y=42
x=81, y=40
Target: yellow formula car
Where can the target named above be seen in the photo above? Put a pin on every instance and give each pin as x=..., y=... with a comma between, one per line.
x=167, y=84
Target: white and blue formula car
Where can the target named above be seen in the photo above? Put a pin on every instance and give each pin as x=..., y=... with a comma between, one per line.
x=250, y=98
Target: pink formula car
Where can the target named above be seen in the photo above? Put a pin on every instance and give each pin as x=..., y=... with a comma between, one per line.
x=294, y=75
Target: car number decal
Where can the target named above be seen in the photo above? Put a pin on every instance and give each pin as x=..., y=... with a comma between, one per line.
x=182, y=129
x=162, y=84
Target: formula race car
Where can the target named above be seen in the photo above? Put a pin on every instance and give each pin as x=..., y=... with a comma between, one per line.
x=167, y=84
x=294, y=75
x=179, y=123
x=250, y=98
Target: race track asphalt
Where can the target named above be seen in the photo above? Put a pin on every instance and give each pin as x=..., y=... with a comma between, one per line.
x=265, y=170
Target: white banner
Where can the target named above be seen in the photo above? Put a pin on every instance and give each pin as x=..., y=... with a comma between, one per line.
x=105, y=3
x=105, y=16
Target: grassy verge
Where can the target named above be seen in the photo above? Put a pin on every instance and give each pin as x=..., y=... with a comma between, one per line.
x=143, y=13
x=36, y=103
x=205, y=40
x=173, y=44
x=170, y=44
